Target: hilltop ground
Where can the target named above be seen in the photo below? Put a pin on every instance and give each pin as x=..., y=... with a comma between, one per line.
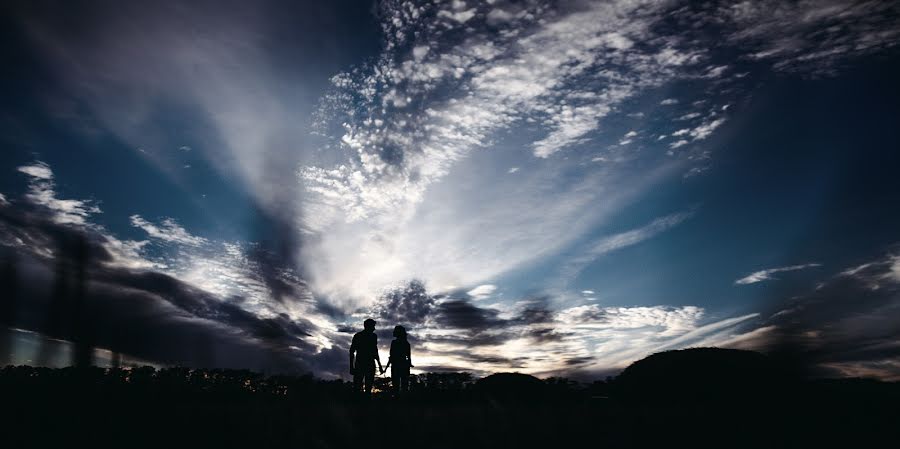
x=643, y=407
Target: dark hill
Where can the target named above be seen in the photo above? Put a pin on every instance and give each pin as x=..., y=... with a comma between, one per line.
x=510, y=386
x=707, y=374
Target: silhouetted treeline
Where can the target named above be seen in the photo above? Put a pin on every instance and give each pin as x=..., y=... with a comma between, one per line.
x=38, y=382
x=693, y=398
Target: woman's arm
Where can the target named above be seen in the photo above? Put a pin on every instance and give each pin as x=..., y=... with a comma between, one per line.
x=409, y=355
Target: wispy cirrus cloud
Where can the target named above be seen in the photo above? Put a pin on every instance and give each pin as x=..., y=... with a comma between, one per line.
x=768, y=274
x=615, y=242
x=168, y=231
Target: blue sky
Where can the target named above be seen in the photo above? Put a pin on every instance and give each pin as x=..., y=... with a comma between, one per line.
x=552, y=188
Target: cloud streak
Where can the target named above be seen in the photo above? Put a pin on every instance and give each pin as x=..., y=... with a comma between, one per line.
x=168, y=231
x=622, y=240
x=768, y=274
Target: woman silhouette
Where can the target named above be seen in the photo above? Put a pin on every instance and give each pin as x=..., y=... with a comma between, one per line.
x=402, y=360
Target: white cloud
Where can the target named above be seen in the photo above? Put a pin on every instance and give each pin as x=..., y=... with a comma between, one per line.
x=482, y=291
x=548, y=73
x=513, y=170
x=39, y=170
x=526, y=76
x=3, y=200
x=459, y=16
x=669, y=102
x=41, y=192
x=716, y=72
x=703, y=131
x=168, y=231
x=672, y=320
x=498, y=15
x=628, y=137
x=678, y=143
x=587, y=292
x=767, y=274
x=420, y=52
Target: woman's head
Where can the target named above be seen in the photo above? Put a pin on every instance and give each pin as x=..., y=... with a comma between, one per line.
x=400, y=332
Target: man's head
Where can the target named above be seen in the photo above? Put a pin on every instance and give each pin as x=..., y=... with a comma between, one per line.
x=369, y=324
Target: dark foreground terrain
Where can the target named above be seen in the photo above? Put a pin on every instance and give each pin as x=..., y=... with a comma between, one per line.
x=175, y=407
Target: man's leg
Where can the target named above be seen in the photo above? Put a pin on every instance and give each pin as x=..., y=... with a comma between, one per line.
x=370, y=381
x=357, y=381
x=395, y=383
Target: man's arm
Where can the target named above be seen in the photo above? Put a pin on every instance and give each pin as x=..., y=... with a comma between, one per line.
x=352, y=353
x=409, y=355
x=389, y=359
x=377, y=357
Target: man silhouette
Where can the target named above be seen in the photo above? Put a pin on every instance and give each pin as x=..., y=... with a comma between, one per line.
x=365, y=349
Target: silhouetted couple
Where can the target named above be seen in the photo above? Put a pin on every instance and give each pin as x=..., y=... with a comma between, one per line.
x=364, y=355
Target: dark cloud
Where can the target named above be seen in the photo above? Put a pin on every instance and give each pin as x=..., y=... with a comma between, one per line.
x=462, y=314
x=535, y=311
x=472, y=339
x=481, y=326
x=61, y=282
x=574, y=361
x=408, y=305
x=545, y=334
x=853, y=318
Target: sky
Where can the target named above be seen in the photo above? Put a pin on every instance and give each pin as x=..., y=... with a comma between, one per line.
x=553, y=188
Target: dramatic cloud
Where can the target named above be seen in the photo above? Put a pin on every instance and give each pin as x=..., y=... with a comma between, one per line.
x=848, y=325
x=497, y=80
x=477, y=144
x=408, y=305
x=197, y=306
x=767, y=274
x=582, y=340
